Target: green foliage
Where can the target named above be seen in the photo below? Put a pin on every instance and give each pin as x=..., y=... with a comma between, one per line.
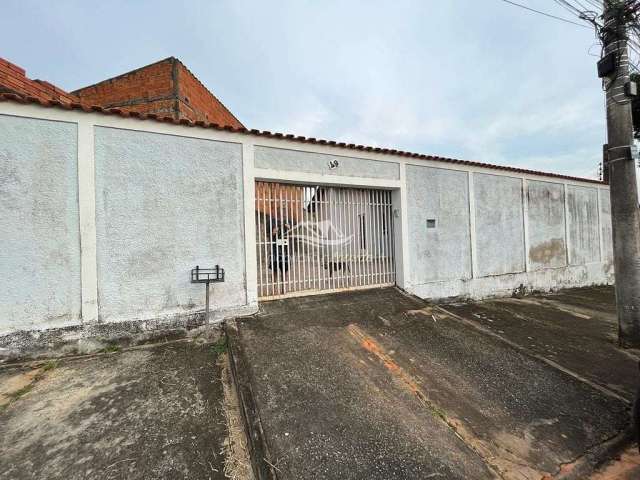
x=23, y=391
x=220, y=346
x=111, y=348
x=50, y=365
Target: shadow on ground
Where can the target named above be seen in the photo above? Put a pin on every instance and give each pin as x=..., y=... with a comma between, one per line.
x=376, y=384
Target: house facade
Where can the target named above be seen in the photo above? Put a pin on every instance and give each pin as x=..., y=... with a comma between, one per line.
x=105, y=212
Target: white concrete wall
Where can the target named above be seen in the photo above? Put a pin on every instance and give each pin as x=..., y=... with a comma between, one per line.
x=546, y=222
x=165, y=204
x=583, y=217
x=103, y=217
x=499, y=224
x=541, y=234
x=282, y=159
x=443, y=252
x=39, y=231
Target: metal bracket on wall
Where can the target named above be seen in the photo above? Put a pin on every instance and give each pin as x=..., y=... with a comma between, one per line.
x=207, y=275
x=624, y=153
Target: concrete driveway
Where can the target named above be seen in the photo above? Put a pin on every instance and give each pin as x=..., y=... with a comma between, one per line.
x=376, y=384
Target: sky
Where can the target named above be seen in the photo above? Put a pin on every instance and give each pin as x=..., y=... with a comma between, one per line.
x=478, y=80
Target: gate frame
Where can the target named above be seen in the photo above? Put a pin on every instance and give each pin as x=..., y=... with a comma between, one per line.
x=334, y=289
x=252, y=175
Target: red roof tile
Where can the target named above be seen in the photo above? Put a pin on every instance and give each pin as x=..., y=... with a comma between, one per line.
x=114, y=111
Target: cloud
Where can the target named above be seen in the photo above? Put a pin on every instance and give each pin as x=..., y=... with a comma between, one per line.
x=475, y=80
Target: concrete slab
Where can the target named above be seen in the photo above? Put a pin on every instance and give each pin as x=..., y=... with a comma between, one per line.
x=575, y=328
x=375, y=384
x=329, y=409
x=138, y=414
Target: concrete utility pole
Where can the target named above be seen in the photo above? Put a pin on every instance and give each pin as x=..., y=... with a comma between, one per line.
x=622, y=173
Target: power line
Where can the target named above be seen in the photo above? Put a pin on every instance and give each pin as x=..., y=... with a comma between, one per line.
x=582, y=13
x=581, y=5
x=546, y=14
x=570, y=7
x=594, y=3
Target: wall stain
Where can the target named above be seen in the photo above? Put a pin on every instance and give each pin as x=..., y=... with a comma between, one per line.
x=546, y=252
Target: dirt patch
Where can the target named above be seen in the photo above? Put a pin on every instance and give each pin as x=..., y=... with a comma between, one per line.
x=625, y=467
x=16, y=384
x=18, y=381
x=237, y=465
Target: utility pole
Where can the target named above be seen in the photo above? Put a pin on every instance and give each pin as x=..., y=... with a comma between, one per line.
x=625, y=216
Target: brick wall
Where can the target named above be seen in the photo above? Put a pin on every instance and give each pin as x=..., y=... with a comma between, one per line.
x=13, y=79
x=198, y=103
x=148, y=89
x=165, y=88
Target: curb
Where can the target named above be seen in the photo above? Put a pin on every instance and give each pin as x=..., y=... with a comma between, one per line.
x=261, y=463
x=585, y=465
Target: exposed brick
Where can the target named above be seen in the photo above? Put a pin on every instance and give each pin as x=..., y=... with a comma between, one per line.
x=14, y=78
x=165, y=88
x=153, y=88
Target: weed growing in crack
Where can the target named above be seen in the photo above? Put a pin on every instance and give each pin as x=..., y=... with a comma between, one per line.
x=50, y=365
x=220, y=346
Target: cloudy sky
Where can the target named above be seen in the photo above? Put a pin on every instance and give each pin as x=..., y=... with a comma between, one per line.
x=473, y=79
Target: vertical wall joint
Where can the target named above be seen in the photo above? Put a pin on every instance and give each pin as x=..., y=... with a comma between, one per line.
x=87, y=214
x=251, y=270
x=472, y=227
x=400, y=205
x=525, y=220
x=567, y=236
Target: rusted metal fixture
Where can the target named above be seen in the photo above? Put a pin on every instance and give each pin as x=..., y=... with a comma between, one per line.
x=207, y=275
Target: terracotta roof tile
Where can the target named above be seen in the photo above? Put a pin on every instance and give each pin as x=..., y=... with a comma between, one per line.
x=10, y=97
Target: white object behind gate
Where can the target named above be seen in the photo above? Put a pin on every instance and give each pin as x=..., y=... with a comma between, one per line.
x=317, y=239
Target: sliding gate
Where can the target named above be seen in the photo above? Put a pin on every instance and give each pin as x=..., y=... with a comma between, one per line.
x=318, y=239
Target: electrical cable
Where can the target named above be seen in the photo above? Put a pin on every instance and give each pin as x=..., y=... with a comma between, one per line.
x=584, y=14
x=546, y=14
x=567, y=6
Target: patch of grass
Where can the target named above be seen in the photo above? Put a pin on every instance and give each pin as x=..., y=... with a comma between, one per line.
x=220, y=346
x=112, y=348
x=23, y=391
x=40, y=373
x=433, y=409
x=437, y=412
x=50, y=365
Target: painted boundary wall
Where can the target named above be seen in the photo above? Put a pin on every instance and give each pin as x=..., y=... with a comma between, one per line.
x=495, y=234
x=103, y=218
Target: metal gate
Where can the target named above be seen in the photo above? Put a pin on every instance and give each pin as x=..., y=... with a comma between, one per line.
x=319, y=239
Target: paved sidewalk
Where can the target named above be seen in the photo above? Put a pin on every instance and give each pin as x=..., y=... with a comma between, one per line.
x=575, y=328
x=146, y=413
x=375, y=384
